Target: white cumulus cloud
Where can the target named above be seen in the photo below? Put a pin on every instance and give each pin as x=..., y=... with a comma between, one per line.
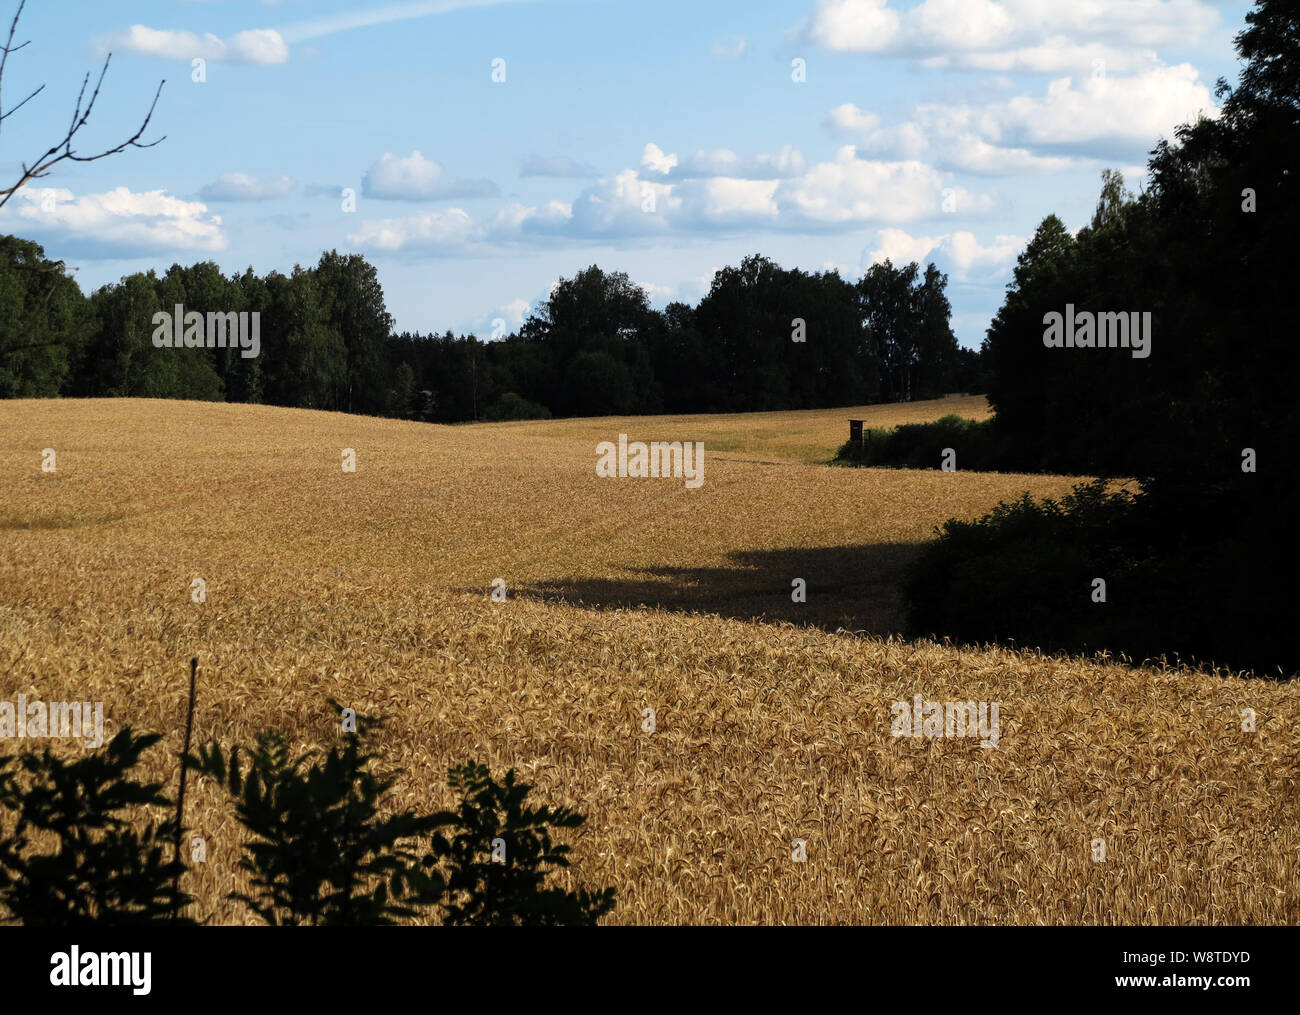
x=654, y=160
x=1135, y=109
x=656, y=201
x=116, y=223
x=959, y=252
x=947, y=27
x=415, y=178
x=1071, y=124
x=258, y=45
x=851, y=189
x=448, y=231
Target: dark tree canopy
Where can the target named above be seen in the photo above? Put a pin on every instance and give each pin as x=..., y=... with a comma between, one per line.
x=1208, y=422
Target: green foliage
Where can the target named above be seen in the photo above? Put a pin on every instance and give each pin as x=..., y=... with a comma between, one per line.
x=590, y=327
x=511, y=406
x=1023, y=572
x=104, y=869
x=321, y=855
x=204, y=373
x=594, y=346
x=736, y=351
x=484, y=892
x=352, y=301
x=1270, y=47
x=906, y=316
x=921, y=445
x=121, y=359
x=306, y=359
x=1205, y=250
x=44, y=320
x=401, y=399
x=600, y=384
x=1208, y=262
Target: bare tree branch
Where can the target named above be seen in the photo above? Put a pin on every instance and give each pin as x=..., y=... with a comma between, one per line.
x=63, y=149
x=9, y=44
x=5, y=115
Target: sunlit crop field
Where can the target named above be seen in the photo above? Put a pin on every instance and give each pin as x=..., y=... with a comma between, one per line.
x=773, y=717
x=809, y=435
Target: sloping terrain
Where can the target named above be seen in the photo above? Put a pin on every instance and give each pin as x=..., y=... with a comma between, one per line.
x=626, y=594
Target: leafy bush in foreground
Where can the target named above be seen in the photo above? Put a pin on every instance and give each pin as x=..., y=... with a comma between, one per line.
x=319, y=851
x=322, y=855
x=492, y=892
x=102, y=871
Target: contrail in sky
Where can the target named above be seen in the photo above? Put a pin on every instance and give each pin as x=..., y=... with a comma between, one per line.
x=305, y=30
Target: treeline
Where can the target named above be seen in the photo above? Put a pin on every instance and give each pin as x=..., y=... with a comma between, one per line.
x=1194, y=565
x=763, y=338
x=324, y=334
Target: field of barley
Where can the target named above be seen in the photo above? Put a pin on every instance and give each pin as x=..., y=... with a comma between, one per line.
x=772, y=717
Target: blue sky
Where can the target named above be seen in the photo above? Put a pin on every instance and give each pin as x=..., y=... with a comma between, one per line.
x=665, y=139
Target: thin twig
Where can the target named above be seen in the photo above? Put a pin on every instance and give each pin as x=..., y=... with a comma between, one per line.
x=80, y=115
x=180, y=796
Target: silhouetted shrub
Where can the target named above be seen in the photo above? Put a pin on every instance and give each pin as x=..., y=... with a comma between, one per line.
x=1022, y=572
x=320, y=853
x=922, y=445
x=102, y=869
x=507, y=887
x=1025, y=571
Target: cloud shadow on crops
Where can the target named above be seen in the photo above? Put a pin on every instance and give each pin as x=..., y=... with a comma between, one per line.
x=853, y=587
x=57, y=521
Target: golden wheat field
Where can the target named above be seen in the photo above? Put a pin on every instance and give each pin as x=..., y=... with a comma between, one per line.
x=773, y=718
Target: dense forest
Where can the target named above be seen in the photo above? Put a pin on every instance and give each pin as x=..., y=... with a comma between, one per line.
x=1197, y=561
x=763, y=338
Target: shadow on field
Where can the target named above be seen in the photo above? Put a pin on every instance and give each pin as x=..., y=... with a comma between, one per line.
x=854, y=587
